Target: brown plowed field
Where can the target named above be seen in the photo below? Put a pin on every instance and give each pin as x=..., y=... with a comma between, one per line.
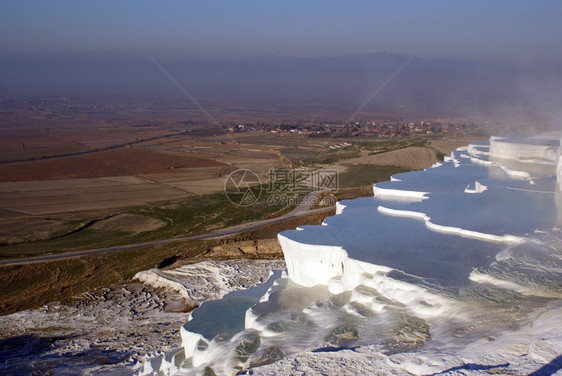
x=103, y=164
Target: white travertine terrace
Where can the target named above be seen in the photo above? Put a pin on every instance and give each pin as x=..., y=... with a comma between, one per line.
x=411, y=249
x=310, y=264
x=506, y=148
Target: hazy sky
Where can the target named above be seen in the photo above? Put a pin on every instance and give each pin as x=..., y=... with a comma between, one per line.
x=488, y=29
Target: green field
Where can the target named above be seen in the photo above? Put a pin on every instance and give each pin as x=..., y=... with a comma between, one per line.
x=182, y=218
x=366, y=175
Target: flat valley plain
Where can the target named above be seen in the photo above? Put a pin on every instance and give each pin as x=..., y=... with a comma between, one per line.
x=92, y=173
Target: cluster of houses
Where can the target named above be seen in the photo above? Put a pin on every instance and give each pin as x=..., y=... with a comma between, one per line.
x=387, y=129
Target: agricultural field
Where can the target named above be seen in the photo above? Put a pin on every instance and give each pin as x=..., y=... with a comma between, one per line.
x=74, y=179
x=44, y=203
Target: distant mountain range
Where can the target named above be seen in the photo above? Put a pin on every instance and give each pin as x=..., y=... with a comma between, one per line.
x=391, y=81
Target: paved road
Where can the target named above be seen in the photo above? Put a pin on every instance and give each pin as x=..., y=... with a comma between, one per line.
x=300, y=211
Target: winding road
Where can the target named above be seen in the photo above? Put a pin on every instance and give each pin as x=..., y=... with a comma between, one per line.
x=301, y=210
